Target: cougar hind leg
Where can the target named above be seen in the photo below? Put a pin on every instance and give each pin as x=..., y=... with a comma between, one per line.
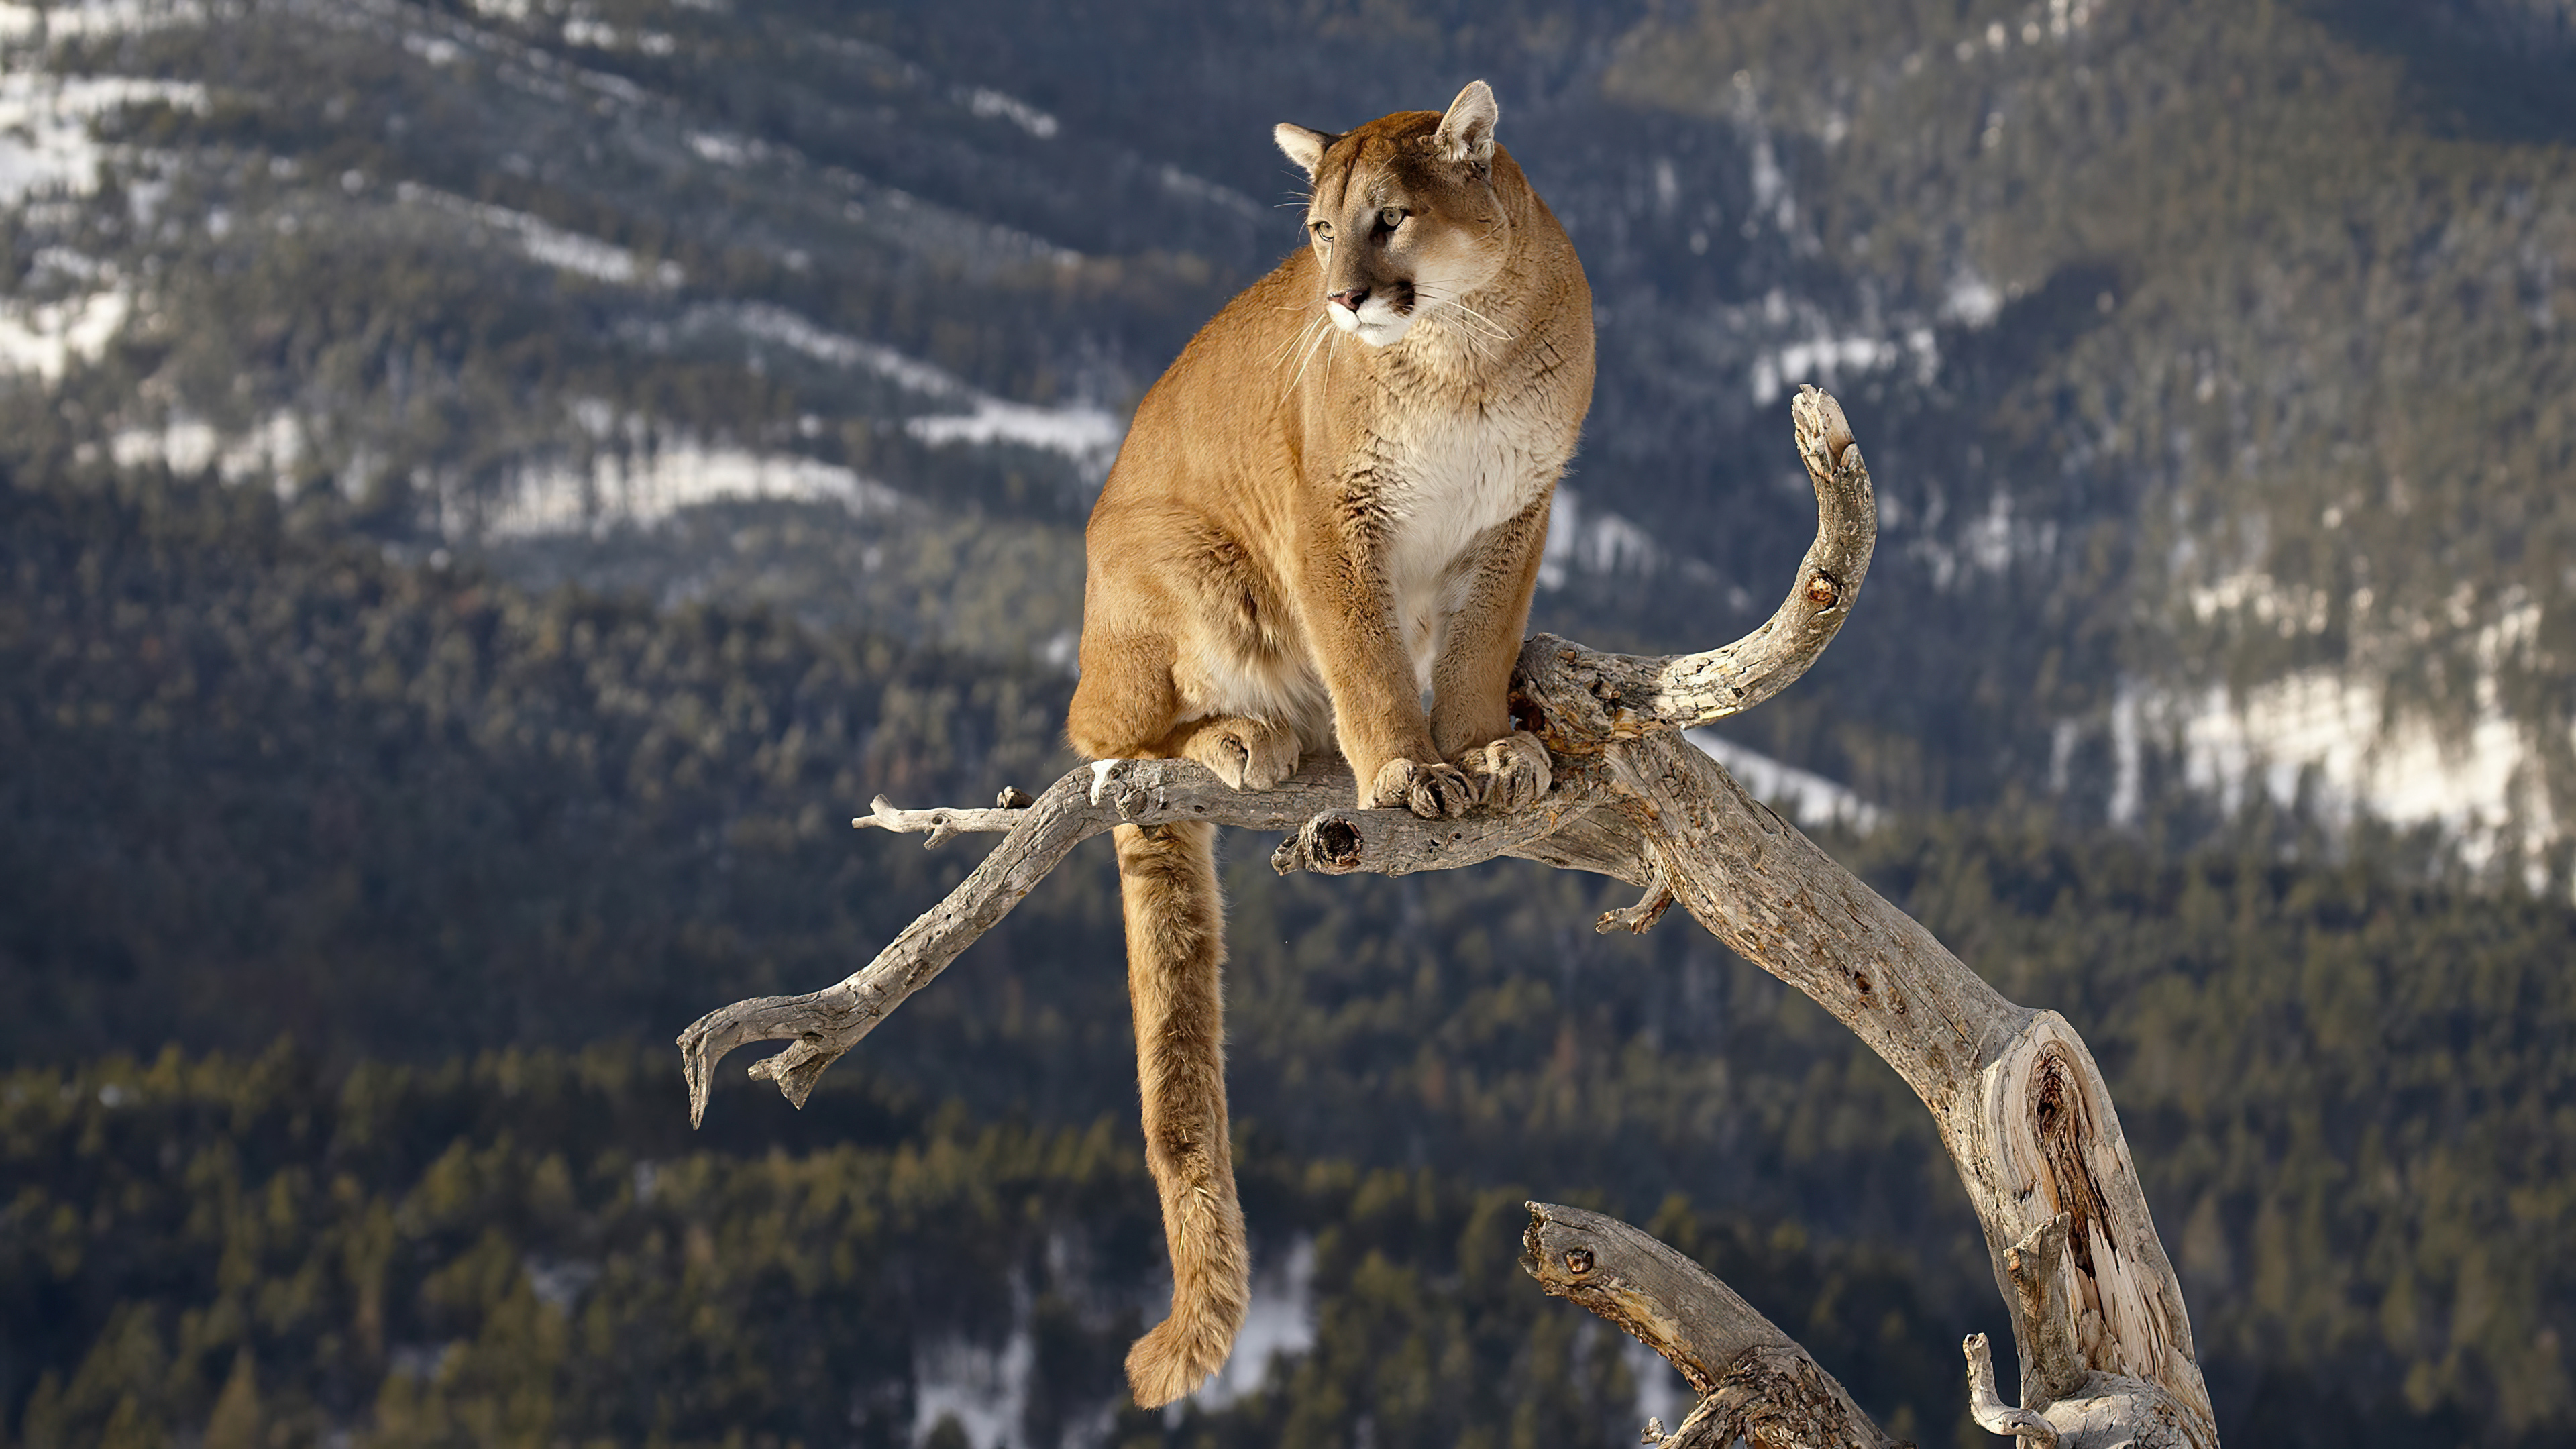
x=1175, y=964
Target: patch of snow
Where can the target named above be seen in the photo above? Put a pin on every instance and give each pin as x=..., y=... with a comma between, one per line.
x=2064, y=18
x=45, y=138
x=431, y=48
x=119, y=17
x=2061, y=754
x=1988, y=542
x=2486, y=790
x=1201, y=189
x=65, y=262
x=531, y=69
x=1662, y=1392
x=45, y=338
x=988, y=103
x=2128, y=766
x=1594, y=541
x=144, y=198
x=185, y=444
x=1088, y=434
x=2515, y=632
x=802, y=334
x=267, y=453
x=725, y=150
x=1771, y=185
x=1809, y=798
x=1279, y=1320
x=1063, y=653
x=648, y=485
x=1988, y=538
x=2289, y=609
x=1971, y=301
x=2360, y=752
x=1079, y=431
x=551, y=245
x=985, y=1390
x=559, y=1284
x=1823, y=360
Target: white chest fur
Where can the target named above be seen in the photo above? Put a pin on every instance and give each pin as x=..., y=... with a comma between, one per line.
x=1459, y=476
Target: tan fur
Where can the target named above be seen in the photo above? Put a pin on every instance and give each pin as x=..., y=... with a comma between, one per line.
x=1175, y=964
x=1332, y=502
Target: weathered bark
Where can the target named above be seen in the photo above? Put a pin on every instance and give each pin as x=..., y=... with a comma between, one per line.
x=1585, y=699
x=2099, y=1323
x=1754, y=1381
x=2021, y=1107
x=1325, y=835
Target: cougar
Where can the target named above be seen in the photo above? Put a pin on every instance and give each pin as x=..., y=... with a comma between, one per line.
x=1333, y=503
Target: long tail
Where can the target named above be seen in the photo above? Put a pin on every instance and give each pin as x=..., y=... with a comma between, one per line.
x=1175, y=968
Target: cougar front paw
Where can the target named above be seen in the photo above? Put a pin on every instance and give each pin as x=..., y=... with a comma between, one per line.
x=1509, y=773
x=1247, y=754
x=1431, y=791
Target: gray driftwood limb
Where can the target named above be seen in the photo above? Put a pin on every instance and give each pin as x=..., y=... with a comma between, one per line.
x=2098, y=1319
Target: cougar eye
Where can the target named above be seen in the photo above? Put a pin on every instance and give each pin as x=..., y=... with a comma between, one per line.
x=1393, y=217
x=1322, y=229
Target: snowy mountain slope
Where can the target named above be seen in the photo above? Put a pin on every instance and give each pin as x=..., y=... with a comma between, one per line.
x=2210, y=365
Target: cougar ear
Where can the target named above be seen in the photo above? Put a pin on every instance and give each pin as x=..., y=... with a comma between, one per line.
x=1304, y=147
x=1466, y=134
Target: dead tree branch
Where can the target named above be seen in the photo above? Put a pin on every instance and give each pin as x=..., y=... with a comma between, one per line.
x=1766, y=1388
x=2098, y=1317
x=1583, y=700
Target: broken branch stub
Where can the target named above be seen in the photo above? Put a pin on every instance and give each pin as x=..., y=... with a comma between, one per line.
x=2097, y=1313
x=1578, y=700
x=1766, y=1387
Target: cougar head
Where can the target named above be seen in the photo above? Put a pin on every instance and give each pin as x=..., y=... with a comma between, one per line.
x=1403, y=216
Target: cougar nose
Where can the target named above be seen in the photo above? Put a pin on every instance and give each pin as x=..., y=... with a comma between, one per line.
x=1351, y=299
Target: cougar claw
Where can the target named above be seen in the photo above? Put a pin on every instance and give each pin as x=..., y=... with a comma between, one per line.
x=1509, y=773
x=1434, y=791
x=1246, y=754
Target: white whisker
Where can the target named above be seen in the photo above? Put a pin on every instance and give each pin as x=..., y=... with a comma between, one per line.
x=1491, y=328
x=1327, y=334
x=1472, y=324
x=1284, y=348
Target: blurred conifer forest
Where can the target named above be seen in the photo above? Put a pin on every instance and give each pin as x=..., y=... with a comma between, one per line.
x=388, y=769
x=271, y=788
